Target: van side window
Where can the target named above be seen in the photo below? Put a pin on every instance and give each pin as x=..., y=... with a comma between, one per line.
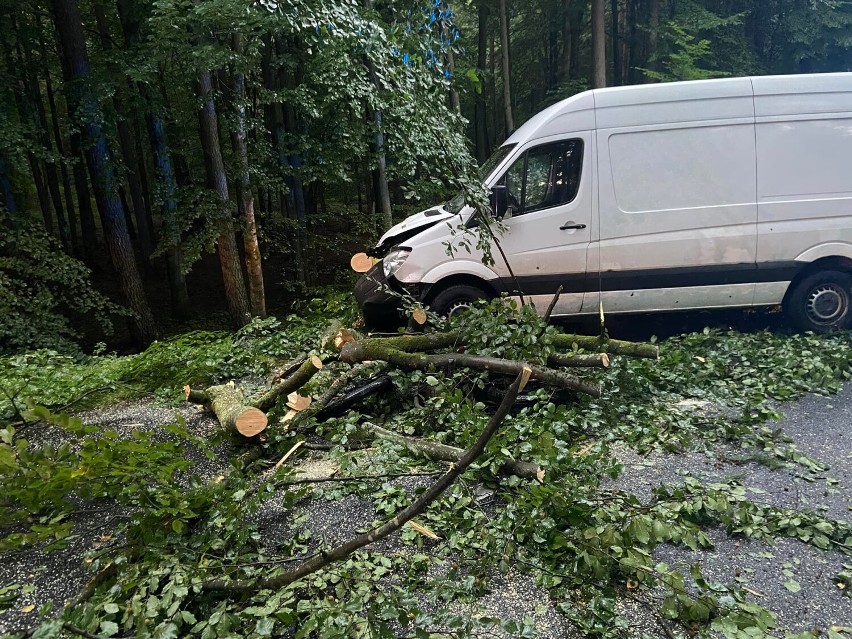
x=545, y=176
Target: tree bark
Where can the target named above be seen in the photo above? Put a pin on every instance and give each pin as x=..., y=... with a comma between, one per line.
x=480, y=107
x=355, y=352
x=507, y=75
x=564, y=341
x=229, y=405
x=229, y=256
x=88, y=228
x=69, y=27
x=653, y=36
x=598, y=45
x=451, y=62
x=8, y=200
x=443, y=452
x=615, y=45
x=164, y=173
x=126, y=147
x=293, y=382
x=60, y=147
x=250, y=245
x=579, y=361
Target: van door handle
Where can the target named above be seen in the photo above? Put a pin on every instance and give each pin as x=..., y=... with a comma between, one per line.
x=570, y=225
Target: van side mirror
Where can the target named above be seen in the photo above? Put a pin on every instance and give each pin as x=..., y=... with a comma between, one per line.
x=499, y=201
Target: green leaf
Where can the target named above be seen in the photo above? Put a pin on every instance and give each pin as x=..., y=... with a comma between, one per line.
x=792, y=585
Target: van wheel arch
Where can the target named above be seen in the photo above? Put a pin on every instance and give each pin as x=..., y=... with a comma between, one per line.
x=455, y=281
x=818, y=298
x=833, y=263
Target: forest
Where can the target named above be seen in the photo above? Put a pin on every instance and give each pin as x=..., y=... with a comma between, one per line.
x=202, y=162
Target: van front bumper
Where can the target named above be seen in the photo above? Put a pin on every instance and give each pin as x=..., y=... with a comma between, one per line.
x=372, y=290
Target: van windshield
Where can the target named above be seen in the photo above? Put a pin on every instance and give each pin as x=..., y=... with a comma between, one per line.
x=456, y=204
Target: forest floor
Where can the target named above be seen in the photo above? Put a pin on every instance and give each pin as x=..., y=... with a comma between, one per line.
x=793, y=580
x=820, y=426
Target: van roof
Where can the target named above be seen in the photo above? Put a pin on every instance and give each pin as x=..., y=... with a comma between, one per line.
x=719, y=98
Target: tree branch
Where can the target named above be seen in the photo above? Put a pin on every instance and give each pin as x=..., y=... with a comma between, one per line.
x=413, y=510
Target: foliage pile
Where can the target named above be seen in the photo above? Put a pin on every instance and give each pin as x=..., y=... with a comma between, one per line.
x=581, y=541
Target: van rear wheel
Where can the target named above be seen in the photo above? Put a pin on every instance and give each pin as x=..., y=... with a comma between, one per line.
x=456, y=299
x=821, y=302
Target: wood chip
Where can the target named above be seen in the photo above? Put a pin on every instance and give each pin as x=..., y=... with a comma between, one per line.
x=343, y=336
x=297, y=402
x=421, y=529
x=28, y=609
x=752, y=592
x=419, y=316
x=290, y=415
x=361, y=262
x=632, y=584
x=281, y=461
x=525, y=377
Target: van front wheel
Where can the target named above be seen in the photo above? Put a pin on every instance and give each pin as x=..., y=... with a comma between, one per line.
x=456, y=299
x=821, y=302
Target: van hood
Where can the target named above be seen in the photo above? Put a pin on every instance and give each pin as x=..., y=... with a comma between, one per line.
x=409, y=227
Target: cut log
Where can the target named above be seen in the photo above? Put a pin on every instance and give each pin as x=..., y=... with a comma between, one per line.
x=443, y=452
x=564, y=341
x=362, y=351
x=286, y=386
x=600, y=360
x=228, y=403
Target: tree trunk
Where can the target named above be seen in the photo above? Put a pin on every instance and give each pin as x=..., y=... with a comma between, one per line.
x=653, y=37
x=88, y=228
x=451, y=60
x=507, y=76
x=8, y=200
x=598, y=45
x=164, y=174
x=229, y=255
x=577, y=11
x=616, y=43
x=127, y=147
x=19, y=91
x=170, y=233
x=60, y=146
x=380, y=177
x=84, y=102
x=244, y=193
x=480, y=106
x=369, y=350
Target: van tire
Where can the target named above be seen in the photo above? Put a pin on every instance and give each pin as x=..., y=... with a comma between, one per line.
x=821, y=302
x=456, y=298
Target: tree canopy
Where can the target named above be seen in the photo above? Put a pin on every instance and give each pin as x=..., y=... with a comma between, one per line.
x=144, y=135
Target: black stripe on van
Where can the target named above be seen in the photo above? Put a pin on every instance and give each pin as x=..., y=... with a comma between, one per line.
x=680, y=277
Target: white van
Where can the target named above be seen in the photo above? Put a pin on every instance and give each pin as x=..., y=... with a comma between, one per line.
x=690, y=195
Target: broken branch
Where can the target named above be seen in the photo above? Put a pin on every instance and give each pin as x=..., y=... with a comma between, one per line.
x=413, y=510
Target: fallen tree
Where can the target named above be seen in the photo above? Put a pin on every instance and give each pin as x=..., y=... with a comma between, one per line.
x=412, y=352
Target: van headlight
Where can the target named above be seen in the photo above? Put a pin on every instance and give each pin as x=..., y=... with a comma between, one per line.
x=393, y=260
